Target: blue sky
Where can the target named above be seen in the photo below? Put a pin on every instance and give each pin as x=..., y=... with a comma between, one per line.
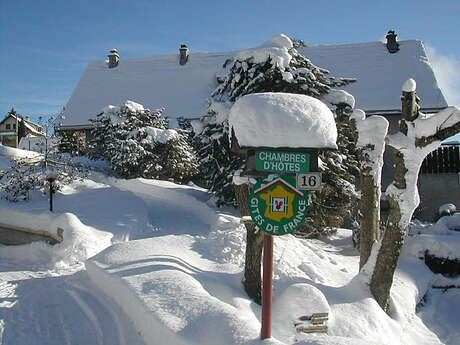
x=46, y=44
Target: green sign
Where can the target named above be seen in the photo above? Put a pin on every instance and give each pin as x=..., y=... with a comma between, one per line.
x=283, y=162
x=276, y=206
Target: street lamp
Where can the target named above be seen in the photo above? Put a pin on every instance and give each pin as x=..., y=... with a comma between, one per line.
x=51, y=177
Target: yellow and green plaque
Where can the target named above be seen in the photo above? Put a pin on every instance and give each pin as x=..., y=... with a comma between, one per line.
x=276, y=206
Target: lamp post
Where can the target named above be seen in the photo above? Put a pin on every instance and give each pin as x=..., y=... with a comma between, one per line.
x=51, y=177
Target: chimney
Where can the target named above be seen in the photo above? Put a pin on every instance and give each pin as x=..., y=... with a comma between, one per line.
x=392, y=45
x=183, y=54
x=114, y=58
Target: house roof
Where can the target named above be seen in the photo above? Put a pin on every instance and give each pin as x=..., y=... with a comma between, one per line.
x=155, y=82
x=160, y=81
x=31, y=126
x=380, y=75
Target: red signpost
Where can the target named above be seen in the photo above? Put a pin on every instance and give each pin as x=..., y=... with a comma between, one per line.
x=267, y=291
x=277, y=207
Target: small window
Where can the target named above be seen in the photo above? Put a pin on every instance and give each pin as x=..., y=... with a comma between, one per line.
x=14, y=126
x=8, y=126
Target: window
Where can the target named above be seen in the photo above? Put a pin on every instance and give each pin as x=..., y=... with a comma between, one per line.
x=8, y=126
x=14, y=126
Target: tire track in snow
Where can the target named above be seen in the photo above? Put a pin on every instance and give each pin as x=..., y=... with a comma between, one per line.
x=62, y=310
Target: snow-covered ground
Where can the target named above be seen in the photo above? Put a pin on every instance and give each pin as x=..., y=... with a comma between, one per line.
x=153, y=262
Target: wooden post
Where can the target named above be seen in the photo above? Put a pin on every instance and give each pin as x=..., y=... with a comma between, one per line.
x=17, y=131
x=267, y=288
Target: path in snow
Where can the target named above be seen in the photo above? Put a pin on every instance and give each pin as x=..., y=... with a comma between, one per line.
x=61, y=307
x=173, y=209
x=55, y=308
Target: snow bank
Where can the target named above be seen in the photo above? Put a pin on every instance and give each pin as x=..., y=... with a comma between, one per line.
x=16, y=153
x=182, y=285
x=283, y=120
x=441, y=239
x=80, y=241
x=186, y=298
x=37, y=144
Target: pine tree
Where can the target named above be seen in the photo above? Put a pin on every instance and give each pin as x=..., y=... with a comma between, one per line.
x=137, y=143
x=73, y=143
x=218, y=163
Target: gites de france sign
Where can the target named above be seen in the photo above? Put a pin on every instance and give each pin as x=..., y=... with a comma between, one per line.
x=277, y=207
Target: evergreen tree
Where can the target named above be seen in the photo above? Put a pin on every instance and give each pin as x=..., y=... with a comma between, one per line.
x=340, y=169
x=73, y=143
x=218, y=162
x=137, y=143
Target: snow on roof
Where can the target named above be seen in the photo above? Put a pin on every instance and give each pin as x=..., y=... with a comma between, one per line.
x=160, y=81
x=380, y=74
x=282, y=120
x=32, y=128
x=155, y=82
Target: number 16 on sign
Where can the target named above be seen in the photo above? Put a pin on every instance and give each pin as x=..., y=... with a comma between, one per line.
x=310, y=181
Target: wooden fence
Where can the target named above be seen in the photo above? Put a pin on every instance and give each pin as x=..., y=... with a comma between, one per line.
x=445, y=159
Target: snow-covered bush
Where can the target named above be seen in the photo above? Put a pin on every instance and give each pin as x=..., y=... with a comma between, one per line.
x=137, y=143
x=27, y=175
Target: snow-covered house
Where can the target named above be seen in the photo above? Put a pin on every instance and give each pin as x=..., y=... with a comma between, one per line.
x=182, y=85
x=182, y=82
x=14, y=127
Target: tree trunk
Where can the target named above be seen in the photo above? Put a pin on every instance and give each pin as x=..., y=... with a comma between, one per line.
x=413, y=143
x=388, y=256
x=254, y=244
x=370, y=218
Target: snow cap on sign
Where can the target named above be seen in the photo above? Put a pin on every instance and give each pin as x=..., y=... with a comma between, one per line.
x=282, y=120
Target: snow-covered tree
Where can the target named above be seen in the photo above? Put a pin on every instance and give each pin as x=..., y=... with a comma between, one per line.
x=137, y=143
x=276, y=66
x=338, y=196
x=419, y=135
x=73, y=143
